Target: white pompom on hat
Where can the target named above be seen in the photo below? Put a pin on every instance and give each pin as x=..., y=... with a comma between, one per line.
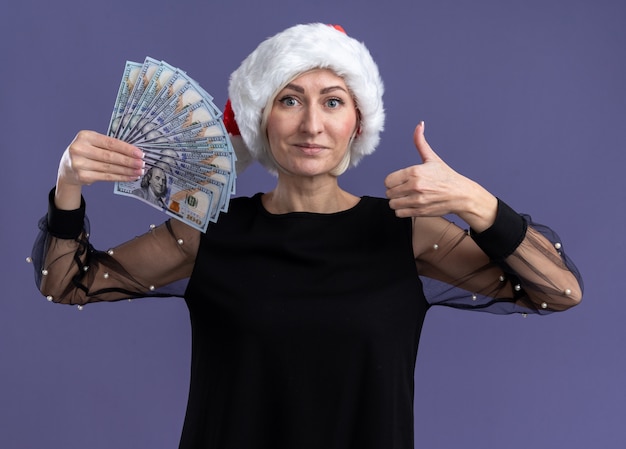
x=285, y=56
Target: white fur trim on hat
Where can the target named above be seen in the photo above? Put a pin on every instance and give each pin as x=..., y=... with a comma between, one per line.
x=283, y=57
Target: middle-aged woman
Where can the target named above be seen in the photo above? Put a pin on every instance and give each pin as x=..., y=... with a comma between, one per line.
x=307, y=302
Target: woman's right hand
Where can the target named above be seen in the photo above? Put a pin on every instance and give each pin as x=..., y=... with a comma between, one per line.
x=94, y=157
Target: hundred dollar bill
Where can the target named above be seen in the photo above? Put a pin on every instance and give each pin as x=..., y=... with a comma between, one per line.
x=209, y=182
x=217, y=164
x=162, y=80
x=195, y=161
x=122, y=118
x=209, y=156
x=129, y=78
x=209, y=179
x=228, y=178
x=224, y=160
x=220, y=196
x=171, y=86
x=192, y=206
x=221, y=178
x=188, y=147
x=189, y=116
x=202, y=147
x=201, y=151
x=216, y=184
x=203, y=175
x=211, y=131
x=199, y=131
x=186, y=95
x=151, y=71
x=179, y=198
x=139, y=106
x=164, y=108
x=148, y=70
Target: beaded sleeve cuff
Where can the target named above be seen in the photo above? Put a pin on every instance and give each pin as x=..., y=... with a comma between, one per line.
x=504, y=236
x=65, y=224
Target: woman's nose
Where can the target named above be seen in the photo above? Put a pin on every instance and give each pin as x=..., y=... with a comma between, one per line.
x=312, y=121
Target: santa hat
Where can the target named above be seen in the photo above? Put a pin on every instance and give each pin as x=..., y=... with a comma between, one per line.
x=285, y=56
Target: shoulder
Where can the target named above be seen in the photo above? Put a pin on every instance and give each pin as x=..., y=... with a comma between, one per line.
x=375, y=214
x=378, y=207
x=242, y=206
x=244, y=201
x=240, y=210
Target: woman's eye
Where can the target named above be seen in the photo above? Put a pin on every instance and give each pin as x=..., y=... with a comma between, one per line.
x=289, y=101
x=334, y=103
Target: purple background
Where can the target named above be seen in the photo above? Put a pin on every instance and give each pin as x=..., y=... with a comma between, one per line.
x=526, y=97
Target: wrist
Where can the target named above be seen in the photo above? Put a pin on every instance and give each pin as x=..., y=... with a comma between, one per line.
x=480, y=208
x=67, y=196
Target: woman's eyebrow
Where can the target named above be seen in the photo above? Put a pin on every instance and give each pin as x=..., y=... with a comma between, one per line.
x=295, y=87
x=332, y=88
x=325, y=90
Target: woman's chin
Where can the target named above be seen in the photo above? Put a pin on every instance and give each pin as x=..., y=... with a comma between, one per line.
x=309, y=171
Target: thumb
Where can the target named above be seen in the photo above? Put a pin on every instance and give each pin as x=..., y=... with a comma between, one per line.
x=423, y=148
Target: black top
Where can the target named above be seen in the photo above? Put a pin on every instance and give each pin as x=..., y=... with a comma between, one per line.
x=305, y=330
x=305, y=326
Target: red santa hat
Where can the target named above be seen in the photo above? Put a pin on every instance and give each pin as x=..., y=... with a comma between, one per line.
x=285, y=56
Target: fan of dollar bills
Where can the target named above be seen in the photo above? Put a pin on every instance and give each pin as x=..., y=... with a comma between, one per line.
x=190, y=162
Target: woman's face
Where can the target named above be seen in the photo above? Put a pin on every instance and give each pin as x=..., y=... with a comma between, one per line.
x=311, y=123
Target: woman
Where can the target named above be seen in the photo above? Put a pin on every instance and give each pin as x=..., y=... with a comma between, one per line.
x=307, y=302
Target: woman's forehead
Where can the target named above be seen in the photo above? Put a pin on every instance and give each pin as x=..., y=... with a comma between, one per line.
x=319, y=77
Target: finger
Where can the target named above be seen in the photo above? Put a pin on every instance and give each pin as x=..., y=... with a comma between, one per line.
x=423, y=148
x=416, y=207
x=426, y=153
x=103, y=153
x=406, y=183
x=117, y=146
x=396, y=178
x=88, y=170
x=92, y=157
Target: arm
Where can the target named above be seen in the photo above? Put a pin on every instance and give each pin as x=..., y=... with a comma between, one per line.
x=504, y=264
x=69, y=269
x=93, y=157
x=514, y=266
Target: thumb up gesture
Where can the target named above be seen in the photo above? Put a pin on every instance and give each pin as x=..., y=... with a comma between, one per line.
x=433, y=189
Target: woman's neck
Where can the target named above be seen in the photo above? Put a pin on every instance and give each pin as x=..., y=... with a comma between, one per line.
x=308, y=195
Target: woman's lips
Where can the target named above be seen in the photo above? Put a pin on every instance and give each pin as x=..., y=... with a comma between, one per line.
x=310, y=149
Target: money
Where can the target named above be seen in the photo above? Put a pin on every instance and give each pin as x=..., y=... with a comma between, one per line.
x=182, y=199
x=129, y=78
x=213, y=164
x=212, y=130
x=152, y=90
x=189, y=157
x=166, y=123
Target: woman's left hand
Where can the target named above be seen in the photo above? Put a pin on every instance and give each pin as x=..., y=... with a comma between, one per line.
x=433, y=189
